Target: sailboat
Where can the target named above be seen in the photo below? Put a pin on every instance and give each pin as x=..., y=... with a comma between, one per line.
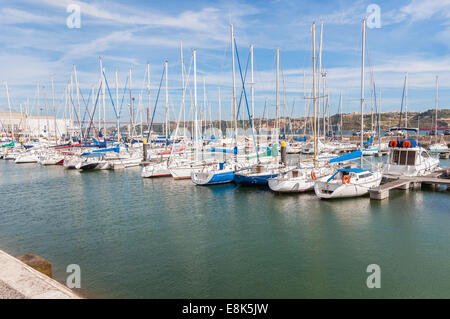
x=259, y=173
x=351, y=182
x=303, y=177
x=437, y=147
x=222, y=172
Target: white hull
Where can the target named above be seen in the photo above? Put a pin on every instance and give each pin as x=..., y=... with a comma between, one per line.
x=420, y=162
x=297, y=181
x=337, y=189
x=22, y=159
x=155, y=170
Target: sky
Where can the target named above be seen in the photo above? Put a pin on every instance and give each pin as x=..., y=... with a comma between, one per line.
x=37, y=44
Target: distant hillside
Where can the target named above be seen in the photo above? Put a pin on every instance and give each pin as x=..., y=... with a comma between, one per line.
x=351, y=121
x=391, y=119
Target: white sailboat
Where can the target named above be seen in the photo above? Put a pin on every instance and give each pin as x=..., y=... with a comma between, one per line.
x=437, y=147
x=303, y=177
x=351, y=182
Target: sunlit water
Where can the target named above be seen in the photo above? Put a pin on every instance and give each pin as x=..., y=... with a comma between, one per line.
x=159, y=238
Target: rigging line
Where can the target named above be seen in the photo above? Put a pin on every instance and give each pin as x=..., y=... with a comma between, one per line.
x=91, y=124
x=156, y=103
x=110, y=96
x=88, y=101
x=246, y=101
x=242, y=89
x=123, y=95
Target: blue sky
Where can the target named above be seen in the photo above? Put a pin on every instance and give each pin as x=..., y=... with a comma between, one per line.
x=36, y=43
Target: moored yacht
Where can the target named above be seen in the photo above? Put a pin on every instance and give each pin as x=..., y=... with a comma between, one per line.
x=409, y=158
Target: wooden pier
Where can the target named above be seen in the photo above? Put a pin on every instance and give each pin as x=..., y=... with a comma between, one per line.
x=440, y=177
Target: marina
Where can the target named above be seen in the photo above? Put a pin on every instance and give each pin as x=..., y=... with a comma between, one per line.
x=225, y=168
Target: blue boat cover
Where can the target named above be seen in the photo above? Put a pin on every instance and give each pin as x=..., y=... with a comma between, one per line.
x=112, y=149
x=370, y=141
x=223, y=150
x=300, y=139
x=346, y=157
x=88, y=154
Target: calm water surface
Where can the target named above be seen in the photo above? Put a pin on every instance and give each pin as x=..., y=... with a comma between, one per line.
x=144, y=238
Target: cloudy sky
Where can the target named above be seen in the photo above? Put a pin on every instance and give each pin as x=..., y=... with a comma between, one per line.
x=36, y=44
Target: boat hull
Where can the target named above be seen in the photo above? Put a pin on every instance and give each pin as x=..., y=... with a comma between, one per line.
x=253, y=179
x=203, y=179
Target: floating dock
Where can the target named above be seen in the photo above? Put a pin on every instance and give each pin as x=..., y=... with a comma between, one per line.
x=441, y=177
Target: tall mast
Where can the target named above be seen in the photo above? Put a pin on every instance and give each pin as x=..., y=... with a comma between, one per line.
x=372, y=99
x=53, y=105
x=9, y=107
x=340, y=111
x=117, y=106
x=166, y=65
x=406, y=102
x=183, y=93
x=362, y=85
x=320, y=77
x=234, y=85
x=314, y=91
x=148, y=97
x=39, y=109
x=131, y=105
x=194, y=53
x=276, y=93
x=78, y=97
x=220, y=111
x=379, y=118
x=103, y=96
x=205, y=113
x=253, y=82
x=436, y=108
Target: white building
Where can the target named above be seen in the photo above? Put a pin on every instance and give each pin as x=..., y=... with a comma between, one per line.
x=33, y=125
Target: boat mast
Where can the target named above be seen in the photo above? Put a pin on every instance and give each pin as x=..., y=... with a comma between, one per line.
x=362, y=86
x=78, y=99
x=117, y=106
x=372, y=99
x=183, y=93
x=276, y=94
x=234, y=86
x=220, y=111
x=131, y=131
x=406, y=103
x=10, y=115
x=194, y=53
x=436, y=109
x=166, y=65
x=253, y=82
x=103, y=97
x=53, y=105
x=320, y=72
x=379, y=119
x=148, y=97
x=314, y=91
x=340, y=111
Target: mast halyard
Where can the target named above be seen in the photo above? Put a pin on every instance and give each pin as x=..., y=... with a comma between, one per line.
x=277, y=100
x=314, y=92
x=362, y=86
x=234, y=86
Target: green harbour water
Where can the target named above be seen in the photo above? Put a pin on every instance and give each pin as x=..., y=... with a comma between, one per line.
x=160, y=238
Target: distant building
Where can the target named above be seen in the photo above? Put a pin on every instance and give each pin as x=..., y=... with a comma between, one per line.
x=33, y=125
